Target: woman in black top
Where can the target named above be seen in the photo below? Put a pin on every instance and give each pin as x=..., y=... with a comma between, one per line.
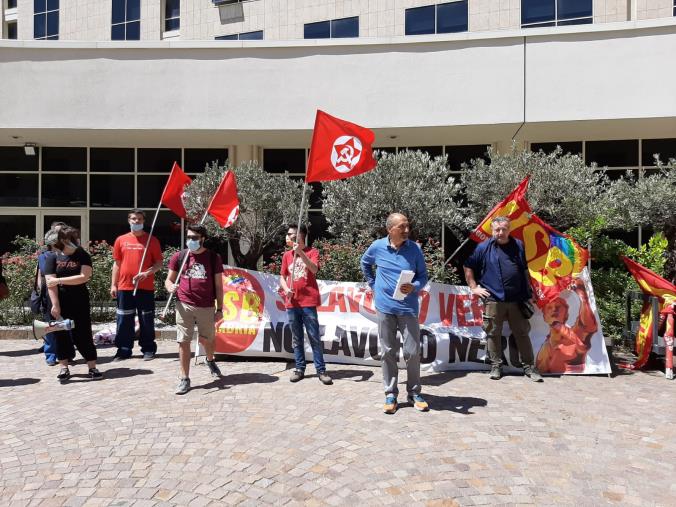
x=66, y=274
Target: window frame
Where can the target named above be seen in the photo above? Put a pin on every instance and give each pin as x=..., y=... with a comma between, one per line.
x=435, y=23
x=330, y=23
x=555, y=21
x=168, y=19
x=47, y=13
x=124, y=25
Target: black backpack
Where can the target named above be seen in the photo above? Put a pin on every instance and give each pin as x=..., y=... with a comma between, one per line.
x=39, y=301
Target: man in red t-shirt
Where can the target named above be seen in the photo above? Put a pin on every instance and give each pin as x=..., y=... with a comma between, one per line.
x=301, y=298
x=127, y=253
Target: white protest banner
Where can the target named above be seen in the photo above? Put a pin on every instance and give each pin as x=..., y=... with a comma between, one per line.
x=566, y=334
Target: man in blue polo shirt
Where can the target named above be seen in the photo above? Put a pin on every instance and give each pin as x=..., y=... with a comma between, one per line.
x=392, y=255
x=499, y=266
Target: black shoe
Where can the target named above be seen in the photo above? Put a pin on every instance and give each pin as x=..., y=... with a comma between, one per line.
x=325, y=379
x=297, y=375
x=148, y=356
x=214, y=369
x=496, y=372
x=63, y=375
x=95, y=374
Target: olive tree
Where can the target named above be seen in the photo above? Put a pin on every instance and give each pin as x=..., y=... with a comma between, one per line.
x=268, y=203
x=649, y=201
x=409, y=182
x=563, y=191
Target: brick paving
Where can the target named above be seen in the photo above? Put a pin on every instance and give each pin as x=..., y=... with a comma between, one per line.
x=253, y=438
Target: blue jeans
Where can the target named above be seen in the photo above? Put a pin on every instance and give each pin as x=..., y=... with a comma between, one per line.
x=127, y=307
x=50, y=347
x=306, y=316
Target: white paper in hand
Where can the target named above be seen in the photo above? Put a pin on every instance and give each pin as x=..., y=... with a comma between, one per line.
x=406, y=276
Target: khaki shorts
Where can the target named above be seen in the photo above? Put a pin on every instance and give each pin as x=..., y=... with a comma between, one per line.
x=186, y=318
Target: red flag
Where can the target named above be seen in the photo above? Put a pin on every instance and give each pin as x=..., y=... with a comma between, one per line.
x=224, y=205
x=654, y=285
x=339, y=149
x=172, y=196
x=512, y=206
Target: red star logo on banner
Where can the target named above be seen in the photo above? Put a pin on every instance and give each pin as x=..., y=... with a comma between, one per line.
x=346, y=153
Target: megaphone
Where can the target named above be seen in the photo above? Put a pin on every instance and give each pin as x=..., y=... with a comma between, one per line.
x=40, y=328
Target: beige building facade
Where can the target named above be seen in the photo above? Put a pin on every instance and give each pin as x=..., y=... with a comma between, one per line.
x=90, y=20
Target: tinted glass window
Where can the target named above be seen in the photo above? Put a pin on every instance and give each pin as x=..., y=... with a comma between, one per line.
x=117, y=32
x=172, y=24
x=567, y=9
x=108, y=225
x=583, y=21
x=133, y=31
x=420, y=20
x=12, y=226
x=111, y=160
x=158, y=160
x=68, y=190
x=111, y=191
x=612, y=153
x=11, y=4
x=149, y=190
x=39, y=26
x=133, y=10
x=321, y=30
x=457, y=155
x=64, y=159
x=346, y=27
x=172, y=8
x=535, y=11
x=452, y=17
x=665, y=147
x=118, y=11
x=234, y=36
x=258, y=35
x=13, y=158
x=197, y=158
x=39, y=5
x=11, y=31
x=18, y=190
x=280, y=160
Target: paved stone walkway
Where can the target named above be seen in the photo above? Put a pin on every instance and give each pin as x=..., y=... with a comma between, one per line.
x=253, y=438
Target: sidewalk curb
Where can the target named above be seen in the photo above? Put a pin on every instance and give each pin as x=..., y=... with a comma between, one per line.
x=26, y=332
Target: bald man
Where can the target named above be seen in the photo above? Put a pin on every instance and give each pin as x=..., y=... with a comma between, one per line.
x=392, y=255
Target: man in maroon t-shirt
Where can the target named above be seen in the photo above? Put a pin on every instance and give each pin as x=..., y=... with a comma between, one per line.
x=301, y=297
x=200, y=286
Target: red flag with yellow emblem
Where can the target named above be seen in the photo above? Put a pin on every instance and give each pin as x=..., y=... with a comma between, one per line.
x=512, y=206
x=654, y=285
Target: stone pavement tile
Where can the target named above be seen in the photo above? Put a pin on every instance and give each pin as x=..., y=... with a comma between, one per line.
x=568, y=441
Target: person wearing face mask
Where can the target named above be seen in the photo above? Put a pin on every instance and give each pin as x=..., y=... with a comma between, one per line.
x=200, y=286
x=127, y=275
x=66, y=274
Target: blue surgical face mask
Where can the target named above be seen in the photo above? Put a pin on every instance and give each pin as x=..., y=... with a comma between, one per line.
x=136, y=227
x=193, y=244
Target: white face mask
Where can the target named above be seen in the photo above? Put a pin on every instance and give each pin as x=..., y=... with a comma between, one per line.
x=193, y=244
x=136, y=227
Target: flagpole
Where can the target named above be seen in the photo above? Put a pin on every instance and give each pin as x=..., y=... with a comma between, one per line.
x=300, y=217
x=180, y=271
x=145, y=250
x=456, y=251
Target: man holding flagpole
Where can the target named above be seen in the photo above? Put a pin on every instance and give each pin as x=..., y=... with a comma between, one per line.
x=132, y=283
x=199, y=286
